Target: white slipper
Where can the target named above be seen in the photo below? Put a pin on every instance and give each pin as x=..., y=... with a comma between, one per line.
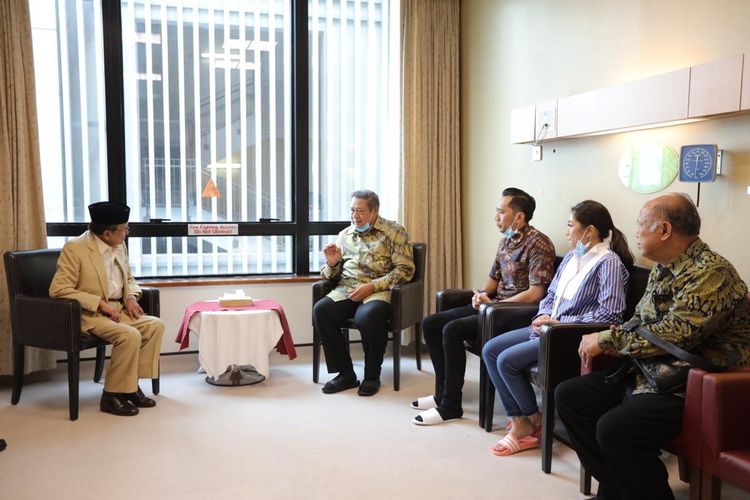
x=424, y=403
x=430, y=417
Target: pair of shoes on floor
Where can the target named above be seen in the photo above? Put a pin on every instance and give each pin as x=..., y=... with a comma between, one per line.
x=433, y=417
x=116, y=404
x=369, y=387
x=138, y=399
x=510, y=445
x=424, y=403
x=341, y=382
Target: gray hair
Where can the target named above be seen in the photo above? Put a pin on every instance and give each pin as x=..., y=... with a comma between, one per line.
x=370, y=197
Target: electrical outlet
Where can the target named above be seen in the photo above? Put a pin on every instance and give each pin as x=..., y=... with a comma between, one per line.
x=546, y=126
x=536, y=153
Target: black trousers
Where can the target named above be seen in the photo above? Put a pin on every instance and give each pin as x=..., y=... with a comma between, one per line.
x=371, y=319
x=618, y=437
x=445, y=332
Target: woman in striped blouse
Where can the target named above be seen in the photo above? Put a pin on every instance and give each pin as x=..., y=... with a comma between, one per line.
x=589, y=286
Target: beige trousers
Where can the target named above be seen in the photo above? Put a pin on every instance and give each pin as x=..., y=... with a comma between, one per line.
x=136, y=345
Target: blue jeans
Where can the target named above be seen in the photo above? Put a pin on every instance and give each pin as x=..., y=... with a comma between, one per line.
x=507, y=356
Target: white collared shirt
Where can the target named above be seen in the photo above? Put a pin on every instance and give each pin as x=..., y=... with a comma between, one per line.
x=114, y=273
x=575, y=271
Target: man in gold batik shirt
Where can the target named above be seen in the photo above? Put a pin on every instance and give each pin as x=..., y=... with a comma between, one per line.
x=368, y=259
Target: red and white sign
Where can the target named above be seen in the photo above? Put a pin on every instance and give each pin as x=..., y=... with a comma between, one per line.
x=212, y=229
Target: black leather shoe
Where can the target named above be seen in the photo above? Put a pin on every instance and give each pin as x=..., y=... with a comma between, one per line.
x=117, y=405
x=341, y=383
x=369, y=388
x=139, y=399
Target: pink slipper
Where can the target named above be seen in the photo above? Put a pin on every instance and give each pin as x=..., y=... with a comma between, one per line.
x=510, y=444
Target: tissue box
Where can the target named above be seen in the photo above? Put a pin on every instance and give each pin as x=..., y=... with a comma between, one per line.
x=235, y=302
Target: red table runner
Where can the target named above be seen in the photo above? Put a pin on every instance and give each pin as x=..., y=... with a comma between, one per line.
x=285, y=344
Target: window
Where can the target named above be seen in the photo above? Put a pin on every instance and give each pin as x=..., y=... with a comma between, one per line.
x=206, y=92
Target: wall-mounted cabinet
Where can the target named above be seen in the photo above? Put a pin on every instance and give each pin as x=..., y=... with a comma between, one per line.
x=715, y=87
x=705, y=90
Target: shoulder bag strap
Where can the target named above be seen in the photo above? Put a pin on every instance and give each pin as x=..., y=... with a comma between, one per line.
x=672, y=349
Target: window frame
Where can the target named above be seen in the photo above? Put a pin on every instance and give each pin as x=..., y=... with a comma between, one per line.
x=300, y=229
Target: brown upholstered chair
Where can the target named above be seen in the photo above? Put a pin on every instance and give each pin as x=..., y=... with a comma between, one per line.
x=724, y=434
x=407, y=309
x=39, y=321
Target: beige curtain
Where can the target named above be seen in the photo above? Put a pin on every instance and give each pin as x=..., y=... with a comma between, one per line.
x=431, y=139
x=21, y=203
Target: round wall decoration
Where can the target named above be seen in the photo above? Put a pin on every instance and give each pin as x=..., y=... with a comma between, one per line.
x=648, y=168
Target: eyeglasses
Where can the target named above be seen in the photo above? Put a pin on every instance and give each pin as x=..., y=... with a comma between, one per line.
x=124, y=230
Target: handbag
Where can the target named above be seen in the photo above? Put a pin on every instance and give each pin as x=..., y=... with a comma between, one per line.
x=668, y=374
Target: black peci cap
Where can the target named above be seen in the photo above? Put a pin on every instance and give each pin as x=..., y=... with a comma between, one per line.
x=109, y=213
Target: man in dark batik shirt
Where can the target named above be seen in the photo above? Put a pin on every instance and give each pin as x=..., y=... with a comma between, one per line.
x=694, y=299
x=522, y=270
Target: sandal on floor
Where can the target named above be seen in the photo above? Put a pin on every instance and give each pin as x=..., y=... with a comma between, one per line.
x=424, y=403
x=510, y=444
x=430, y=417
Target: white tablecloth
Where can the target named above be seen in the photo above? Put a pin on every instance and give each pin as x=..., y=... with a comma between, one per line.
x=235, y=337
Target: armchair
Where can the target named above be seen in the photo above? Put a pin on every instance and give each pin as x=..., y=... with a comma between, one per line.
x=559, y=361
x=39, y=321
x=497, y=318
x=407, y=309
x=725, y=448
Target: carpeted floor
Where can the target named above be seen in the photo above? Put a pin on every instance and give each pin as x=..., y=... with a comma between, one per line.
x=281, y=439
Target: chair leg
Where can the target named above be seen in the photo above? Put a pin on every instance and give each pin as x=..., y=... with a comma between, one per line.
x=101, y=351
x=694, y=490
x=316, y=356
x=683, y=470
x=489, y=397
x=482, y=396
x=418, y=345
x=396, y=361
x=548, y=428
x=18, y=359
x=584, y=481
x=710, y=487
x=155, y=381
x=73, y=373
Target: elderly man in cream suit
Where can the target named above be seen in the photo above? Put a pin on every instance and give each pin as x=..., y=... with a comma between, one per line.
x=94, y=270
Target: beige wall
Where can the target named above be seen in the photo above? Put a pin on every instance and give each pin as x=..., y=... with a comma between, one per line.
x=520, y=52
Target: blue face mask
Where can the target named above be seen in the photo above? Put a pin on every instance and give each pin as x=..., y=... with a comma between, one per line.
x=363, y=228
x=580, y=249
x=510, y=232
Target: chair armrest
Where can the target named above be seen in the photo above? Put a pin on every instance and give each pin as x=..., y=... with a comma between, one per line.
x=47, y=323
x=407, y=304
x=149, y=301
x=321, y=288
x=726, y=411
x=452, y=297
x=558, y=351
x=499, y=317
